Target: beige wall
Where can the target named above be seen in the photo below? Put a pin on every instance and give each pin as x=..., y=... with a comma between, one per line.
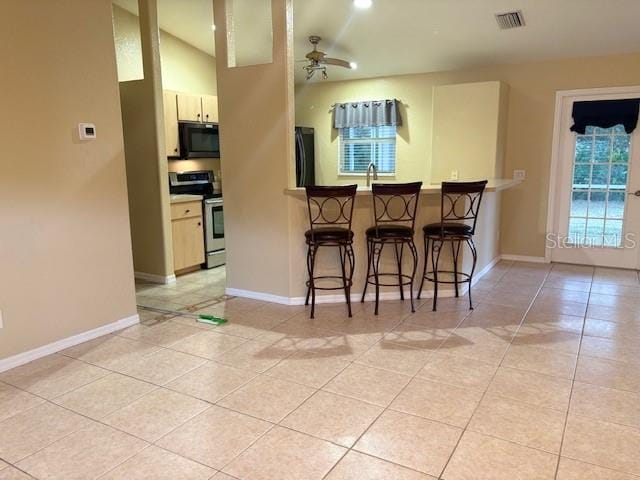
x=147, y=173
x=531, y=106
x=65, y=246
x=184, y=67
x=256, y=133
x=467, y=123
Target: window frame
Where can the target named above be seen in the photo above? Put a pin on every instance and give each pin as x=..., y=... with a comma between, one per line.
x=367, y=141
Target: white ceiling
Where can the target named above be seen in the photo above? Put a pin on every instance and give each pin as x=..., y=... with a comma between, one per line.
x=413, y=36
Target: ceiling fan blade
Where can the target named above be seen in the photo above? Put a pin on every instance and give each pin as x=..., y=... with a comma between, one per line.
x=336, y=61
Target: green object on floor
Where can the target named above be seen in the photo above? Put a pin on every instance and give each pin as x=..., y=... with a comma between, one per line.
x=210, y=319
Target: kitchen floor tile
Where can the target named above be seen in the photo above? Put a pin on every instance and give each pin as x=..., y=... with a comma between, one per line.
x=358, y=466
x=211, y=381
x=277, y=398
x=437, y=401
x=395, y=357
x=480, y=457
x=207, y=344
x=156, y=414
x=333, y=417
x=532, y=388
x=111, y=352
x=83, y=455
x=311, y=369
x=540, y=360
x=520, y=423
x=602, y=443
x=162, y=333
x=368, y=384
x=285, y=454
x=158, y=464
x=574, y=470
x=608, y=373
x=459, y=371
x=410, y=441
x=102, y=397
x=14, y=401
x=215, y=437
x=11, y=473
x=29, y=431
x=162, y=366
x=255, y=356
x=616, y=406
x=52, y=376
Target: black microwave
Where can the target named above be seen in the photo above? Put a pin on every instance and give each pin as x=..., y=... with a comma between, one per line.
x=199, y=140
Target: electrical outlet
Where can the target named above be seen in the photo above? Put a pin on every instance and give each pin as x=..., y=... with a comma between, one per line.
x=519, y=174
x=454, y=174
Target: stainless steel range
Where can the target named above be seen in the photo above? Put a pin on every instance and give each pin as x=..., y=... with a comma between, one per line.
x=200, y=182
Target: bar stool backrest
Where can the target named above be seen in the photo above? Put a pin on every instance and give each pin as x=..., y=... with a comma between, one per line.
x=395, y=203
x=330, y=206
x=460, y=202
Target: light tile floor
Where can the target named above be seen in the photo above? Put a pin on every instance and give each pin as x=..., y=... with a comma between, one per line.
x=541, y=381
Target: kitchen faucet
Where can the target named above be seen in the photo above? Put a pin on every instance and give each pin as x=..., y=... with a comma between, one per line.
x=375, y=173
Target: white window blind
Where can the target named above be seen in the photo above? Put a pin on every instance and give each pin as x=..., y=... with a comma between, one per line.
x=359, y=146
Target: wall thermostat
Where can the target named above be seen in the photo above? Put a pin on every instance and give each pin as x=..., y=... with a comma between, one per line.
x=87, y=131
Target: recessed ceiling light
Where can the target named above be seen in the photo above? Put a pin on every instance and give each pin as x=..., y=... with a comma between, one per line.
x=363, y=3
x=353, y=65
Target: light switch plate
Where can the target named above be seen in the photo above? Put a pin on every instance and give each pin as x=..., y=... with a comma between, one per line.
x=454, y=174
x=519, y=174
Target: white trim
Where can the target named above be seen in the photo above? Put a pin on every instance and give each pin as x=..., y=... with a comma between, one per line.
x=31, y=355
x=355, y=297
x=555, y=148
x=152, y=277
x=525, y=258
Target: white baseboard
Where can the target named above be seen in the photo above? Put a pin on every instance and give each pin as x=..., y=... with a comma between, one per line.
x=151, y=277
x=524, y=258
x=355, y=297
x=26, y=357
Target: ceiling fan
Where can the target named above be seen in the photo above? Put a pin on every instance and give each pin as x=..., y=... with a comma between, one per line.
x=318, y=60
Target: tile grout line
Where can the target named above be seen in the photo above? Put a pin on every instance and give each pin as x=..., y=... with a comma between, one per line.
x=528, y=309
x=566, y=419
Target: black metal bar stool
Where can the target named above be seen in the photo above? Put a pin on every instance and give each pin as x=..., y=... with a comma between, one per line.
x=394, y=210
x=459, y=207
x=330, y=213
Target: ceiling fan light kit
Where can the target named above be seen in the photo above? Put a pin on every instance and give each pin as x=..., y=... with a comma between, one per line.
x=318, y=60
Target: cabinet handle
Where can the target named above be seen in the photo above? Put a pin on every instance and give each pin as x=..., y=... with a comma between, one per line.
x=187, y=211
x=175, y=150
x=199, y=224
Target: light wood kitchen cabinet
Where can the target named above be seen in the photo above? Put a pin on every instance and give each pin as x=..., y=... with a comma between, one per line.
x=210, y=108
x=189, y=107
x=171, y=139
x=188, y=235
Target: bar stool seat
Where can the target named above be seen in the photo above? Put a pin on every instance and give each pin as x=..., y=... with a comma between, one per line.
x=328, y=234
x=390, y=231
x=447, y=228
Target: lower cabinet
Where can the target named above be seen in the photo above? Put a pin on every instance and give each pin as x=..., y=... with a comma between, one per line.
x=188, y=237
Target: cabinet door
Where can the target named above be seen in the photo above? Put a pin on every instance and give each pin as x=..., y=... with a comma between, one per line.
x=210, y=108
x=188, y=242
x=172, y=142
x=189, y=107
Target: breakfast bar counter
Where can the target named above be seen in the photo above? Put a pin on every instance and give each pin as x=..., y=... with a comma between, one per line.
x=487, y=239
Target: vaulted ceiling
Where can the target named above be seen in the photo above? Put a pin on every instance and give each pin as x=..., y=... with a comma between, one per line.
x=413, y=36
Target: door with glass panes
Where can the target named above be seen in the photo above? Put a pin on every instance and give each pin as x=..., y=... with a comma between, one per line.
x=597, y=221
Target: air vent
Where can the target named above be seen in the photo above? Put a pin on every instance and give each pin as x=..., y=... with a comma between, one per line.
x=510, y=20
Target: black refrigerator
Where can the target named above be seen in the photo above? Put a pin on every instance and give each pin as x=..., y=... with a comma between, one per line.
x=305, y=157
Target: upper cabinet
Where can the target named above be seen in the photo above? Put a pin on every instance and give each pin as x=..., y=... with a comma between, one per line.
x=469, y=126
x=210, y=108
x=185, y=107
x=172, y=142
x=189, y=107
